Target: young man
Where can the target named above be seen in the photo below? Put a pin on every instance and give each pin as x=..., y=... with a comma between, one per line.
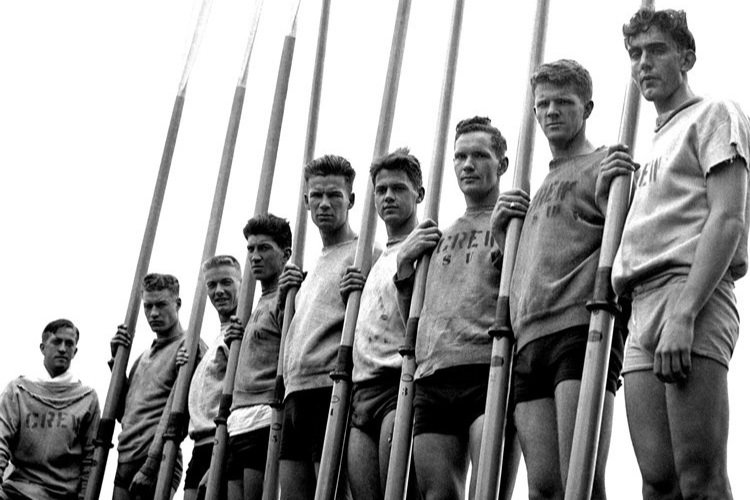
x=315, y=332
x=453, y=349
x=269, y=241
x=148, y=392
x=553, y=279
x=397, y=181
x=47, y=425
x=222, y=275
x=683, y=246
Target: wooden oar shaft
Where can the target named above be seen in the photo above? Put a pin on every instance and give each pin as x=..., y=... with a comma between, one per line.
x=501, y=361
x=338, y=411
x=398, y=464
x=247, y=290
x=106, y=427
x=271, y=474
x=587, y=430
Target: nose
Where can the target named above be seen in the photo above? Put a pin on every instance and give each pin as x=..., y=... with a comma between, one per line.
x=389, y=196
x=552, y=109
x=325, y=202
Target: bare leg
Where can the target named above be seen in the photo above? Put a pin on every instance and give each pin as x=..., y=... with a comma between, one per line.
x=297, y=480
x=475, y=445
x=511, y=459
x=235, y=490
x=362, y=460
x=190, y=494
x=252, y=484
x=384, y=446
x=536, y=422
x=441, y=463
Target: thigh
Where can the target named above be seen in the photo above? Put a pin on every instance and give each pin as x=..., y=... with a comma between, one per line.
x=698, y=412
x=362, y=461
x=648, y=422
x=536, y=424
x=296, y=480
x=384, y=445
x=441, y=464
x=252, y=484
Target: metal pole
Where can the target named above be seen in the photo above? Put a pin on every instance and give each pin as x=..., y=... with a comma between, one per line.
x=398, y=464
x=178, y=416
x=271, y=474
x=342, y=375
x=106, y=427
x=495, y=412
x=603, y=309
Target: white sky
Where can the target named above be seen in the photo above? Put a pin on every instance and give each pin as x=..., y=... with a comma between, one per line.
x=85, y=100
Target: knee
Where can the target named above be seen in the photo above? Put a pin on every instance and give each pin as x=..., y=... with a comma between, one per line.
x=662, y=489
x=541, y=492
x=704, y=483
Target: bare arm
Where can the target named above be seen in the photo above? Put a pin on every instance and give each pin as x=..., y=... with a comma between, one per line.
x=726, y=191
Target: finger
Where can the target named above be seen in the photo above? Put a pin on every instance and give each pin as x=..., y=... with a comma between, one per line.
x=678, y=373
x=687, y=362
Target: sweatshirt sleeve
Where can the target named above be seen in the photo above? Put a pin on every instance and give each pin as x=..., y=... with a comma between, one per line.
x=9, y=422
x=87, y=436
x=153, y=459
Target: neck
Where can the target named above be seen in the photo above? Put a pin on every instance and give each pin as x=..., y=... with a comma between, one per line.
x=269, y=285
x=487, y=200
x=675, y=100
x=402, y=230
x=578, y=145
x=340, y=235
x=224, y=318
x=175, y=330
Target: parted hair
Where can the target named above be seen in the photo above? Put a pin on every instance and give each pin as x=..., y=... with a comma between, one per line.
x=483, y=124
x=55, y=325
x=154, y=282
x=562, y=73
x=671, y=22
x=400, y=160
x=219, y=261
x=331, y=165
x=270, y=225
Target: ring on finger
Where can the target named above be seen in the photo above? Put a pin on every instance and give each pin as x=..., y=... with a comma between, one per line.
x=512, y=205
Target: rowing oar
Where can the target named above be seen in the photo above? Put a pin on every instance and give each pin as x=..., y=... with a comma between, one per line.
x=271, y=473
x=495, y=411
x=333, y=443
x=106, y=426
x=248, y=284
x=398, y=463
x=603, y=309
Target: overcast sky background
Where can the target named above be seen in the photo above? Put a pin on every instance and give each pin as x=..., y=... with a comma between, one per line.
x=86, y=94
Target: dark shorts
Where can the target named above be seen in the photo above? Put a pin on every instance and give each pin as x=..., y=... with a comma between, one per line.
x=126, y=471
x=542, y=364
x=450, y=400
x=305, y=420
x=247, y=451
x=372, y=400
x=199, y=464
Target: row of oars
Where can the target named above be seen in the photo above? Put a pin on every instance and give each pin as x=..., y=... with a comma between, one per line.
x=490, y=464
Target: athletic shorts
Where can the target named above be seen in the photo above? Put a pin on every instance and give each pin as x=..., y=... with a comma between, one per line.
x=198, y=465
x=305, y=420
x=247, y=451
x=126, y=471
x=717, y=325
x=372, y=400
x=543, y=363
x=450, y=400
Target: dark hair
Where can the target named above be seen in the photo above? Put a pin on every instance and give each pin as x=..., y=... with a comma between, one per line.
x=401, y=161
x=270, y=225
x=154, y=282
x=331, y=165
x=483, y=124
x=219, y=261
x=53, y=326
x=562, y=73
x=671, y=22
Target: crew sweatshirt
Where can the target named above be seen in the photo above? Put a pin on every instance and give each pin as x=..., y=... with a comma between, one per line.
x=47, y=430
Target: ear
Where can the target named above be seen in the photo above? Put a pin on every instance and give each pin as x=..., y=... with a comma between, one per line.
x=287, y=254
x=75, y=351
x=503, y=166
x=307, y=202
x=420, y=194
x=351, y=200
x=587, y=109
x=688, y=60
x=41, y=347
x=178, y=301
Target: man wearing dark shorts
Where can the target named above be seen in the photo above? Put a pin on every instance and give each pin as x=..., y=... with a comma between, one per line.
x=553, y=278
x=453, y=349
x=269, y=242
x=314, y=333
x=397, y=181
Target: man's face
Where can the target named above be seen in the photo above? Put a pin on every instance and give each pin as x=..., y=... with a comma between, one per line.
x=560, y=111
x=657, y=65
x=476, y=165
x=329, y=199
x=59, y=350
x=161, y=308
x=267, y=258
x=223, y=287
x=396, y=197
